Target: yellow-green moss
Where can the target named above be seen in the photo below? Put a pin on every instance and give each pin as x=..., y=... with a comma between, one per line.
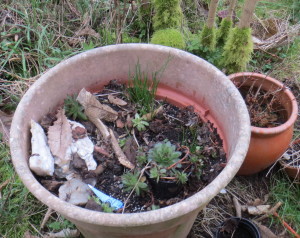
x=237, y=50
x=169, y=37
x=168, y=14
x=209, y=38
x=223, y=31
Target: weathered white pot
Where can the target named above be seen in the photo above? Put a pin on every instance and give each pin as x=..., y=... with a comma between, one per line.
x=199, y=84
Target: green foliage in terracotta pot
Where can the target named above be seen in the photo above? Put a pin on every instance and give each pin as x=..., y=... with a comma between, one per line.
x=169, y=37
x=223, y=31
x=237, y=50
x=168, y=14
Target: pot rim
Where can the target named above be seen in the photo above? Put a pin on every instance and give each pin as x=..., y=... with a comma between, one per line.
x=191, y=204
x=294, y=114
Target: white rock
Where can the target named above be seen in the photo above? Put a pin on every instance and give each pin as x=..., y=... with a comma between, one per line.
x=74, y=191
x=85, y=149
x=41, y=162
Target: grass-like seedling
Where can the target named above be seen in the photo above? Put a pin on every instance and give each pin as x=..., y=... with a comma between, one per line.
x=74, y=109
x=139, y=122
x=131, y=182
x=142, y=91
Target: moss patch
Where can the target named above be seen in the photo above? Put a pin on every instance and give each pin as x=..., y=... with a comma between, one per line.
x=209, y=38
x=237, y=50
x=169, y=37
x=168, y=14
x=223, y=31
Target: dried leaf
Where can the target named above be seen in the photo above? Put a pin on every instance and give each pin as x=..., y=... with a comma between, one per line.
x=118, y=151
x=115, y=100
x=130, y=149
x=87, y=31
x=119, y=123
x=5, y=121
x=27, y=234
x=265, y=231
x=60, y=135
x=101, y=150
x=94, y=109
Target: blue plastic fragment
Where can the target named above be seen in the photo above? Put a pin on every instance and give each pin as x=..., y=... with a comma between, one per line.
x=114, y=203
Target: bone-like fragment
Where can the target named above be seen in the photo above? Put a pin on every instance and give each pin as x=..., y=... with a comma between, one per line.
x=74, y=191
x=41, y=161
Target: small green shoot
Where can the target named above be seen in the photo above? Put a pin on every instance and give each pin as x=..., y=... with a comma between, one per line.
x=181, y=176
x=139, y=122
x=131, y=181
x=74, y=109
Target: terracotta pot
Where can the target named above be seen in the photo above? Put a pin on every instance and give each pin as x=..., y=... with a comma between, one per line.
x=292, y=171
x=267, y=144
x=187, y=80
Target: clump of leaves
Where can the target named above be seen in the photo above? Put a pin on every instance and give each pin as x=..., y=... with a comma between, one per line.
x=139, y=122
x=131, y=181
x=73, y=108
x=142, y=91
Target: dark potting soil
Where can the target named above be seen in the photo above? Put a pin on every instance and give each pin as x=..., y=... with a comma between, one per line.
x=181, y=126
x=263, y=107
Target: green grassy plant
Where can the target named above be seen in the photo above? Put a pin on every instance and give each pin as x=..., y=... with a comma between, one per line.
x=168, y=14
x=169, y=37
x=283, y=190
x=142, y=91
x=19, y=210
x=237, y=50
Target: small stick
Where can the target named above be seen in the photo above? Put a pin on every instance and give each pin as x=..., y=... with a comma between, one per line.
x=46, y=217
x=151, y=115
x=238, y=207
x=270, y=212
x=184, y=157
x=287, y=226
x=118, y=151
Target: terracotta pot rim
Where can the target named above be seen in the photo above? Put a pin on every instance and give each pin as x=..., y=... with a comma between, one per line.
x=132, y=219
x=293, y=117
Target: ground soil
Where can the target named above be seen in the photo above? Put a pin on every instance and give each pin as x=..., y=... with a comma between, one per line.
x=181, y=126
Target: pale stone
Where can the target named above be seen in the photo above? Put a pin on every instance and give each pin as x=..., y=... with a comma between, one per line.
x=41, y=162
x=74, y=191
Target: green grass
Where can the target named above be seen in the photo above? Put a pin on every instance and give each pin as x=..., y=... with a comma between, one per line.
x=19, y=210
x=283, y=190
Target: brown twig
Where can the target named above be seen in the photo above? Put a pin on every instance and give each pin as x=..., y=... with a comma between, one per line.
x=184, y=157
x=287, y=226
x=270, y=212
x=46, y=218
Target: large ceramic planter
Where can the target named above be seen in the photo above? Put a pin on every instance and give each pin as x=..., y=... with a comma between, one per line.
x=187, y=80
x=267, y=144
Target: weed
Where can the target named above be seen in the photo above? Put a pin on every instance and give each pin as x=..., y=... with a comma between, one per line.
x=139, y=122
x=74, y=109
x=142, y=91
x=131, y=181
